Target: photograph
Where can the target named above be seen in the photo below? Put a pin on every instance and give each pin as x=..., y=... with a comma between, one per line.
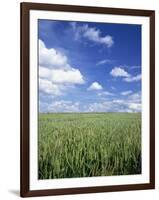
x=90, y=101
x=87, y=99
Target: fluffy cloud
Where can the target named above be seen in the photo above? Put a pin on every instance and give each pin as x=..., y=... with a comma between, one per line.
x=71, y=76
x=95, y=86
x=50, y=88
x=92, y=34
x=135, y=107
x=108, y=106
x=51, y=57
x=64, y=106
x=125, y=93
x=133, y=78
x=135, y=97
x=114, y=106
x=127, y=105
x=55, y=73
x=132, y=103
x=119, y=72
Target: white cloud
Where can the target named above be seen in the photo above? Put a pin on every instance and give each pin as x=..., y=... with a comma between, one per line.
x=55, y=73
x=118, y=101
x=108, y=106
x=102, y=62
x=133, y=78
x=105, y=93
x=135, y=97
x=92, y=34
x=119, y=72
x=135, y=107
x=125, y=93
x=132, y=103
x=51, y=57
x=64, y=106
x=98, y=107
x=71, y=76
x=114, y=106
x=49, y=87
x=44, y=72
x=95, y=86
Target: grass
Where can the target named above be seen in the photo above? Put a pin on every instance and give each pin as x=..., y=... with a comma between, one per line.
x=89, y=144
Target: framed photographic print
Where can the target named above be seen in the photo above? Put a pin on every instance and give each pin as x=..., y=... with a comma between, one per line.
x=87, y=99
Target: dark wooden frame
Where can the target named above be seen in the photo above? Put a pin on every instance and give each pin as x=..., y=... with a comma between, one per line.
x=24, y=149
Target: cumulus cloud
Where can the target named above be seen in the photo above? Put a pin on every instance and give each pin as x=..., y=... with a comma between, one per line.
x=64, y=106
x=92, y=34
x=108, y=106
x=125, y=93
x=49, y=87
x=55, y=73
x=128, y=105
x=135, y=107
x=133, y=78
x=51, y=57
x=135, y=97
x=71, y=76
x=114, y=106
x=95, y=86
x=119, y=72
x=132, y=103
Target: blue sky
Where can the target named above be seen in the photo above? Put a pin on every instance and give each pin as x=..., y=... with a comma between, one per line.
x=89, y=67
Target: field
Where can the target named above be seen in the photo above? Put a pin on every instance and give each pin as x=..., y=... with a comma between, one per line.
x=89, y=144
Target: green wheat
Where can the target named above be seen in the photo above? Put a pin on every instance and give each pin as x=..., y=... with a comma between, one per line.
x=89, y=144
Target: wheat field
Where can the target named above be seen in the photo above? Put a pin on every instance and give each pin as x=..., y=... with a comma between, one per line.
x=88, y=144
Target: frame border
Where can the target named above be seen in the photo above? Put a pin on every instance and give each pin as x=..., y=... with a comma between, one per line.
x=25, y=7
